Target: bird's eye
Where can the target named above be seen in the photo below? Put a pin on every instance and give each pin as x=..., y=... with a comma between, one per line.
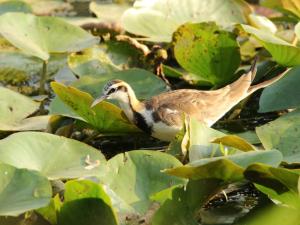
x=112, y=90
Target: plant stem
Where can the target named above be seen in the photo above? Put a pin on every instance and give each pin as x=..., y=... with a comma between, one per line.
x=43, y=78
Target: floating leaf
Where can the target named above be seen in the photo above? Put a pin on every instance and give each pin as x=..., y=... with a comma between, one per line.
x=282, y=52
x=292, y=6
x=278, y=183
x=14, y=110
x=227, y=168
x=50, y=211
x=282, y=94
x=105, y=116
x=282, y=134
x=158, y=19
x=14, y=6
x=140, y=80
x=235, y=142
x=87, y=211
x=179, y=204
x=55, y=157
x=40, y=36
x=140, y=172
x=202, y=49
x=22, y=190
x=262, y=23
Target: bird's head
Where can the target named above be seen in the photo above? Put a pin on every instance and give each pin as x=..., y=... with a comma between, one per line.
x=114, y=89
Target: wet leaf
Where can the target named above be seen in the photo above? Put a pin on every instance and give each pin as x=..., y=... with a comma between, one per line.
x=105, y=116
x=282, y=52
x=22, y=190
x=140, y=172
x=278, y=183
x=282, y=134
x=88, y=211
x=234, y=141
x=53, y=156
x=40, y=36
x=227, y=168
x=282, y=94
x=158, y=19
x=202, y=49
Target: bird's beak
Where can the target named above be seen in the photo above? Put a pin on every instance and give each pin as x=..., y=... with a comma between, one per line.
x=98, y=100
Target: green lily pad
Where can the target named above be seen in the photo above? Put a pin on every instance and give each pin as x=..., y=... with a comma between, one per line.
x=14, y=6
x=40, y=36
x=22, y=190
x=262, y=23
x=227, y=168
x=14, y=110
x=158, y=19
x=292, y=6
x=140, y=172
x=283, y=134
x=278, y=183
x=140, y=80
x=87, y=211
x=105, y=116
x=235, y=141
x=79, y=189
x=178, y=205
x=203, y=48
x=51, y=210
x=282, y=94
x=108, y=12
x=297, y=30
x=53, y=156
x=282, y=52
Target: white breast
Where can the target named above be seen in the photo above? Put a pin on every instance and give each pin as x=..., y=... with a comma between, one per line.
x=160, y=130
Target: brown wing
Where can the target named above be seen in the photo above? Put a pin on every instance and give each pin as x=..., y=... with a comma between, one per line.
x=169, y=107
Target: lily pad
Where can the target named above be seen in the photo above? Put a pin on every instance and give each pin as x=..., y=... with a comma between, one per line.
x=203, y=48
x=262, y=23
x=140, y=172
x=22, y=190
x=179, y=204
x=283, y=134
x=282, y=52
x=88, y=211
x=158, y=19
x=292, y=6
x=40, y=36
x=227, y=168
x=278, y=183
x=53, y=156
x=103, y=59
x=236, y=142
x=14, y=6
x=297, y=30
x=282, y=94
x=105, y=116
x=14, y=110
x=140, y=80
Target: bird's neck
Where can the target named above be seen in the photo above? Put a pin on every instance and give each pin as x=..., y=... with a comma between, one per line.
x=130, y=104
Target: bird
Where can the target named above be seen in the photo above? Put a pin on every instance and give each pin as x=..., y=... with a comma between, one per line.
x=162, y=115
